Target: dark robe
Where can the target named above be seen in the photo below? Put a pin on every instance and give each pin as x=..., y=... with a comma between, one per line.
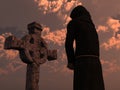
x=85, y=56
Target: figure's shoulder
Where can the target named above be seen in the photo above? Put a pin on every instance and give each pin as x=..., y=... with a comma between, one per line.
x=74, y=24
x=70, y=24
x=72, y=21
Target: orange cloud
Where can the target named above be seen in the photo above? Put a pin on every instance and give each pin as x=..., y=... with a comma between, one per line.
x=102, y=28
x=56, y=5
x=113, y=24
x=56, y=37
x=59, y=65
x=60, y=7
x=68, y=6
x=110, y=66
x=112, y=42
x=9, y=54
x=12, y=66
x=2, y=39
x=15, y=65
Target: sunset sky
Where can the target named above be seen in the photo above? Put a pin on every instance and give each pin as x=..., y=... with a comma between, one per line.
x=53, y=15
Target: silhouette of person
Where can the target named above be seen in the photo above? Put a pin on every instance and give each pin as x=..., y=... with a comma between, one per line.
x=84, y=57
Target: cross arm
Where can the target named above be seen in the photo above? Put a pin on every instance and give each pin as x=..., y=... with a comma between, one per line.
x=12, y=42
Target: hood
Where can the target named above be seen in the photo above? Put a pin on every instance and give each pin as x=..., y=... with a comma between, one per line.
x=79, y=11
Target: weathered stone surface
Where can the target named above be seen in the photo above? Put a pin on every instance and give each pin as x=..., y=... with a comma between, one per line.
x=12, y=42
x=33, y=51
x=32, y=77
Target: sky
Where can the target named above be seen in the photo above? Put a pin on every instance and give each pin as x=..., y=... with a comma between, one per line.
x=53, y=15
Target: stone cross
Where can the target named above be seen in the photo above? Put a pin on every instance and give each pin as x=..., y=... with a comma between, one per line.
x=33, y=51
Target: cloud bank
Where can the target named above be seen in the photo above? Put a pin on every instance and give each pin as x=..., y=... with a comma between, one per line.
x=110, y=62
x=8, y=58
x=114, y=26
x=53, y=6
x=61, y=8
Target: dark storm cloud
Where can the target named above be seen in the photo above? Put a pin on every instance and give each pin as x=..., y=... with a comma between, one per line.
x=117, y=17
x=12, y=30
x=102, y=9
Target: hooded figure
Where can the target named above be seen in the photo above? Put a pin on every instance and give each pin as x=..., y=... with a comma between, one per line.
x=84, y=57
